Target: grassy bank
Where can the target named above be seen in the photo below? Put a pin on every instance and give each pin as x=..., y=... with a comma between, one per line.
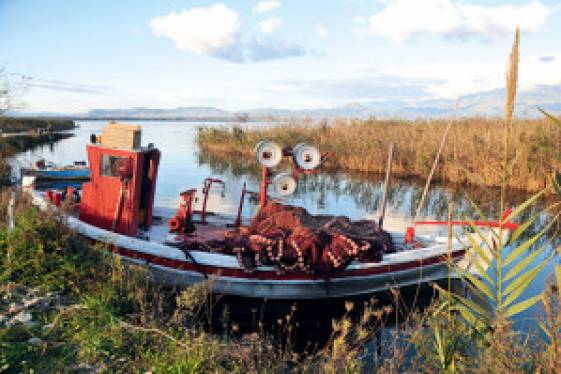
x=472, y=153
x=66, y=306
x=17, y=125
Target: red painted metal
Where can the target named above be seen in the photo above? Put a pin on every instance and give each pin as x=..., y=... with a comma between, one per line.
x=263, y=188
x=56, y=198
x=206, y=233
x=240, y=207
x=409, y=235
x=70, y=194
x=130, y=176
x=494, y=224
x=506, y=214
x=206, y=190
x=182, y=221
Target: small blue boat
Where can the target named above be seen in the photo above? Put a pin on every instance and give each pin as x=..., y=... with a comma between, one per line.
x=50, y=172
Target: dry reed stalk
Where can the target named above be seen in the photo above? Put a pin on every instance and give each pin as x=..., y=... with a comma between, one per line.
x=511, y=82
x=512, y=79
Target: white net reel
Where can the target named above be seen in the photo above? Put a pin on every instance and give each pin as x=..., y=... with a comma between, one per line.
x=268, y=153
x=306, y=157
x=284, y=184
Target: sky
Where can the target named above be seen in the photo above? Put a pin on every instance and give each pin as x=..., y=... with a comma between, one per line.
x=77, y=55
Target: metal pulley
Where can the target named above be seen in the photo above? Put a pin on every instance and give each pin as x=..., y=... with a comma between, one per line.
x=268, y=153
x=306, y=156
x=284, y=184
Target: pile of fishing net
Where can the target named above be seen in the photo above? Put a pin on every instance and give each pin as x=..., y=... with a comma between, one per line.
x=293, y=240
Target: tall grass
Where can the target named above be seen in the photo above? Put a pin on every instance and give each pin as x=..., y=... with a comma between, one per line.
x=114, y=318
x=506, y=272
x=472, y=154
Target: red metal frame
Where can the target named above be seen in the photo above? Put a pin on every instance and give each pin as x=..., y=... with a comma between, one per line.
x=183, y=219
x=297, y=172
x=100, y=196
x=206, y=190
x=494, y=224
x=263, y=187
x=240, y=207
x=410, y=231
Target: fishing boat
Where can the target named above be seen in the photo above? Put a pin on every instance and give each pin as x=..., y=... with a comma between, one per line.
x=283, y=253
x=44, y=171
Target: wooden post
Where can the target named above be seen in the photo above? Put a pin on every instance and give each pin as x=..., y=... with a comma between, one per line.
x=11, y=205
x=382, y=207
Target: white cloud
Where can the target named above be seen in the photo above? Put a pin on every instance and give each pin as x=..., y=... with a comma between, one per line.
x=266, y=6
x=216, y=31
x=403, y=19
x=201, y=30
x=269, y=24
x=453, y=78
x=321, y=31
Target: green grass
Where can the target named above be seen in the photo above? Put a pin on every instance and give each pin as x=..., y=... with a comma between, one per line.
x=114, y=318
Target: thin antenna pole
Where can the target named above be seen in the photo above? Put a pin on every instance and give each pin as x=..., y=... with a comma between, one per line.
x=382, y=208
x=433, y=169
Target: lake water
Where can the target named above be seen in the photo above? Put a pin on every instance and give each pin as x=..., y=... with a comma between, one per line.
x=183, y=166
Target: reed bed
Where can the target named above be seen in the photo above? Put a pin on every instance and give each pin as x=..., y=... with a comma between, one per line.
x=472, y=154
x=16, y=125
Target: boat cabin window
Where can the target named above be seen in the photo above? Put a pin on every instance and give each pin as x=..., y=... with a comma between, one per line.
x=110, y=165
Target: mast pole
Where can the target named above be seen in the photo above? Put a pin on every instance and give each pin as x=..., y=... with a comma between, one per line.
x=382, y=208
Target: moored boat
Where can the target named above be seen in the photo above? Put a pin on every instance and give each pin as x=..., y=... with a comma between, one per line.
x=309, y=257
x=49, y=172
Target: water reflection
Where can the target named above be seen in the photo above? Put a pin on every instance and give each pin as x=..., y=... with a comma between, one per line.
x=359, y=195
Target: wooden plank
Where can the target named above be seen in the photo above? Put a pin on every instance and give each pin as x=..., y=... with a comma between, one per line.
x=121, y=135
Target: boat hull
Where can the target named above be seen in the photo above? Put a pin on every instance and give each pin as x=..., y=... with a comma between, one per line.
x=266, y=282
x=58, y=175
x=171, y=266
x=315, y=288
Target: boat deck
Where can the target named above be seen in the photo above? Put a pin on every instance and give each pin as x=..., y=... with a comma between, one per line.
x=218, y=224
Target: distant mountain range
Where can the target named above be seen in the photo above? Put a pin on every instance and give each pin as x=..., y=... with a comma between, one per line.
x=489, y=103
